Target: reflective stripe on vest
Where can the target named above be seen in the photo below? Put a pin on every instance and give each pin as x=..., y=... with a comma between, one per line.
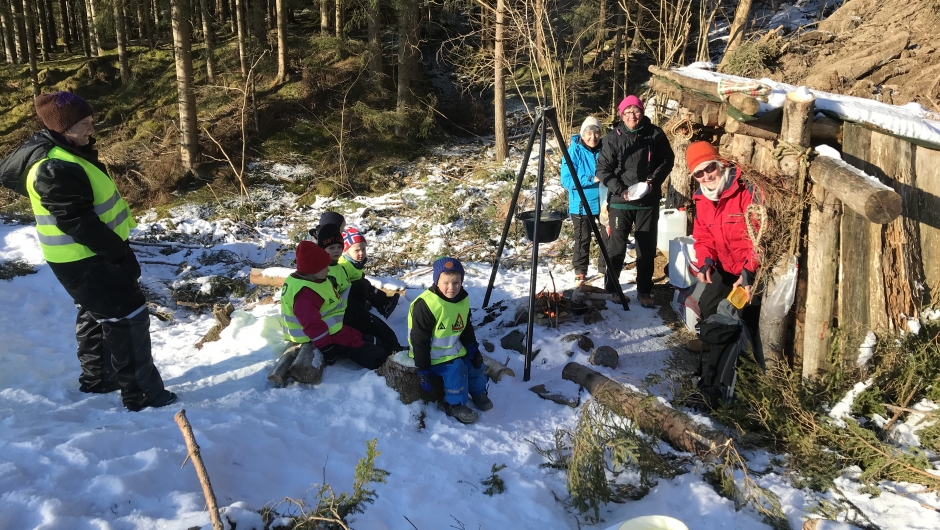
x=109, y=206
x=338, y=274
x=293, y=330
x=450, y=321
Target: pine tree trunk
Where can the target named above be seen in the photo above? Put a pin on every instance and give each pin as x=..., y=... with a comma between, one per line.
x=120, y=32
x=221, y=11
x=209, y=37
x=407, y=61
x=324, y=17
x=182, y=48
x=339, y=18
x=81, y=22
x=66, y=30
x=31, y=43
x=637, y=34
x=499, y=85
x=9, y=42
x=242, y=36
x=96, y=49
x=618, y=51
x=258, y=27
x=45, y=39
x=19, y=27
x=375, y=43
x=738, y=26
x=601, y=28
x=282, y=75
x=155, y=17
x=233, y=16
x=149, y=28
x=141, y=25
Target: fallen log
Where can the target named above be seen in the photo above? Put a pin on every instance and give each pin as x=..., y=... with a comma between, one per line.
x=281, y=369
x=862, y=194
x=823, y=130
x=496, y=369
x=746, y=104
x=650, y=416
x=308, y=366
x=401, y=375
x=274, y=277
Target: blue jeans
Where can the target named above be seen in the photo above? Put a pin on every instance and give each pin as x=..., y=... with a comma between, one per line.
x=458, y=375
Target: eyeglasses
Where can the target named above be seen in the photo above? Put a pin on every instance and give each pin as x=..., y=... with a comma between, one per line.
x=698, y=175
x=635, y=112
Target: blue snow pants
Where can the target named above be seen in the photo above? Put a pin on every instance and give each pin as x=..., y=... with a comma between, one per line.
x=458, y=375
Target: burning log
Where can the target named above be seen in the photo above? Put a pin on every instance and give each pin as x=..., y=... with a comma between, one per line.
x=551, y=309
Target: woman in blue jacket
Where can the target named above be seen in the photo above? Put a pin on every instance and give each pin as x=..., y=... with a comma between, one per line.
x=583, y=152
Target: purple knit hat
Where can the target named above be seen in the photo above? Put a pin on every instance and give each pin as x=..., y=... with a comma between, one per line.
x=59, y=111
x=629, y=101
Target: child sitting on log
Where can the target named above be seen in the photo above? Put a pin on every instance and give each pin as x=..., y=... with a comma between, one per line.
x=357, y=315
x=354, y=258
x=442, y=341
x=311, y=311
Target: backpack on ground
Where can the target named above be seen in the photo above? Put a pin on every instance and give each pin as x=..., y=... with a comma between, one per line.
x=726, y=338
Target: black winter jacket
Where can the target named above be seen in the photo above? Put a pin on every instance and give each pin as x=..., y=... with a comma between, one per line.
x=422, y=328
x=627, y=158
x=66, y=192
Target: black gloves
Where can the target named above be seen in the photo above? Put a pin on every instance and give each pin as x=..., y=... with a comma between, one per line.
x=329, y=354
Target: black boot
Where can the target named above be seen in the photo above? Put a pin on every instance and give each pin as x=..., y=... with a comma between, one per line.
x=97, y=373
x=128, y=341
x=461, y=413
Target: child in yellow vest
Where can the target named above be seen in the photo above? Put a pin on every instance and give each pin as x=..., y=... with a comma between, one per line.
x=358, y=316
x=355, y=255
x=310, y=312
x=442, y=341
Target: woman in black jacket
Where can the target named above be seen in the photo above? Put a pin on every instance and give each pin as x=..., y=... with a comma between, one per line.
x=634, y=152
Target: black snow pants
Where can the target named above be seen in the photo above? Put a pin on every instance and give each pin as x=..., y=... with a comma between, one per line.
x=113, y=330
x=644, y=225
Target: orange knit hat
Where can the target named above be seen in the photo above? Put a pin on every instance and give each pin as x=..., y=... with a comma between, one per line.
x=699, y=153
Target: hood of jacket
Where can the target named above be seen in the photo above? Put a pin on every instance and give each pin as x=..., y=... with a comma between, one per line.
x=13, y=169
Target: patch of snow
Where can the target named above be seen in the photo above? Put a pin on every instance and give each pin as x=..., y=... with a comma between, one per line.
x=867, y=349
x=843, y=408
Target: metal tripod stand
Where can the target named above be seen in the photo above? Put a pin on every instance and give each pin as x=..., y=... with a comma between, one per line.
x=545, y=117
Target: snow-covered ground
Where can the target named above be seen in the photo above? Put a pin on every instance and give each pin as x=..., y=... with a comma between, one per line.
x=70, y=460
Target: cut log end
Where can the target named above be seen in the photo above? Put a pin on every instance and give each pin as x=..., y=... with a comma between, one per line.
x=883, y=206
x=801, y=96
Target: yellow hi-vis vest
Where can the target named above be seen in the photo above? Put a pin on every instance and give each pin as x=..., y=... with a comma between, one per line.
x=293, y=330
x=450, y=321
x=58, y=247
x=338, y=273
x=351, y=271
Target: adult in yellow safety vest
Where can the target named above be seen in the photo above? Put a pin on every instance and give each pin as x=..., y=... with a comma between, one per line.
x=83, y=224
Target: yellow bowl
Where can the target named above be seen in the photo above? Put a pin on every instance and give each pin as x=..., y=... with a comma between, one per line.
x=738, y=297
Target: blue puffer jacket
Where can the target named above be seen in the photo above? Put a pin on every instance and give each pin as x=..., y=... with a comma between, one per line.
x=584, y=162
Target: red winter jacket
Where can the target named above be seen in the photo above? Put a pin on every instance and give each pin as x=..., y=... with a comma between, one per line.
x=720, y=231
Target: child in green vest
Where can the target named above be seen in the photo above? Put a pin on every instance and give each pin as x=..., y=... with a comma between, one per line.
x=357, y=315
x=311, y=311
x=442, y=341
x=355, y=255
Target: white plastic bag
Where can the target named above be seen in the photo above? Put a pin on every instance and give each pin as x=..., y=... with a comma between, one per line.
x=681, y=255
x=602, y=194
x=781, y=292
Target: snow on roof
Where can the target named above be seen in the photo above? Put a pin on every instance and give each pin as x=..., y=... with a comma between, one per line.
x=911, y=121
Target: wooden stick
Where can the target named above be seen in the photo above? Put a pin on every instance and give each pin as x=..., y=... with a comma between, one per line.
x=822, y=257
x=193, y=448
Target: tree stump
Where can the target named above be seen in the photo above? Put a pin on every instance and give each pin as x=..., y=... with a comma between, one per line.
x=401, y=375
x=308, y=366
x=281, y=369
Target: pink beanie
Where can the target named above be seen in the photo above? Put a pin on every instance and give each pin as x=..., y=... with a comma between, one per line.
x=629, y=101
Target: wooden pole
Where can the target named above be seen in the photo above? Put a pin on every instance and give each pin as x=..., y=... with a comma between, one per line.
x=679, y=194
x=822, y=263
x=650, y=416
x=746, y=104
x=928, y=178
x=193, y=448
x=795, y=129
x=862, y=194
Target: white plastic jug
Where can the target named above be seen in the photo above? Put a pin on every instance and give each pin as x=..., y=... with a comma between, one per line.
x=672, y=224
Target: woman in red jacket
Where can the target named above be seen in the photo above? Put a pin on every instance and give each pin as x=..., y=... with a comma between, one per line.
x=724, y=253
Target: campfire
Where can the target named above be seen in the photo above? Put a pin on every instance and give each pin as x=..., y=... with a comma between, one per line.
x=551, y=308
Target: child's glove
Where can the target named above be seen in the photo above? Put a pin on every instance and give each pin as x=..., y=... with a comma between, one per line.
x=329, y=354
x=473, y=353
x=424, y=376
